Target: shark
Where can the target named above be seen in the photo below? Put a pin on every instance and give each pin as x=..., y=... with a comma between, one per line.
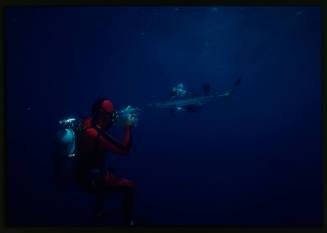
x=195, y=103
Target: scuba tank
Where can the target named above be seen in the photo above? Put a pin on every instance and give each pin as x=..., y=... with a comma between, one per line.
x=65, y=153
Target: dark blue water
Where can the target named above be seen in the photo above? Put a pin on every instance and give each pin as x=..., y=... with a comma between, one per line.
x=253, y=161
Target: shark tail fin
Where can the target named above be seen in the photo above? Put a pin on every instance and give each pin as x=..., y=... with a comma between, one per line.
x=238, y=81
x=229, y=93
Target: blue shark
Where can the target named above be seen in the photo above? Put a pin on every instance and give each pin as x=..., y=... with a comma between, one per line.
x=181, y=104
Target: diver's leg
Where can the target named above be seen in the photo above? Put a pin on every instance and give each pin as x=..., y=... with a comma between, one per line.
x=128, y=204
x=96, y=183
x=127, y=187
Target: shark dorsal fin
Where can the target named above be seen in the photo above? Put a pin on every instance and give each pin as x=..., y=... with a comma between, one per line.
x=206, y=88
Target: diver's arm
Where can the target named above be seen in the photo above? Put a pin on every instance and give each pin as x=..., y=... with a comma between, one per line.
x=109, y=143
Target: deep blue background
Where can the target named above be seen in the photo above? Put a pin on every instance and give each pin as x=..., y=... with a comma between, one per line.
x=254, y=161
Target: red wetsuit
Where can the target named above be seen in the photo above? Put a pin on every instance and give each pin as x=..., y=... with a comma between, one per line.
x=93, y=143
x=93, y=146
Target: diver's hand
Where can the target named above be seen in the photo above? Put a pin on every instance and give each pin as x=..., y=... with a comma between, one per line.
x=128, y=116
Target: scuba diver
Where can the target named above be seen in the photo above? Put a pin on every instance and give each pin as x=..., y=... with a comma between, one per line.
x=92, y=145
x=178, y=91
